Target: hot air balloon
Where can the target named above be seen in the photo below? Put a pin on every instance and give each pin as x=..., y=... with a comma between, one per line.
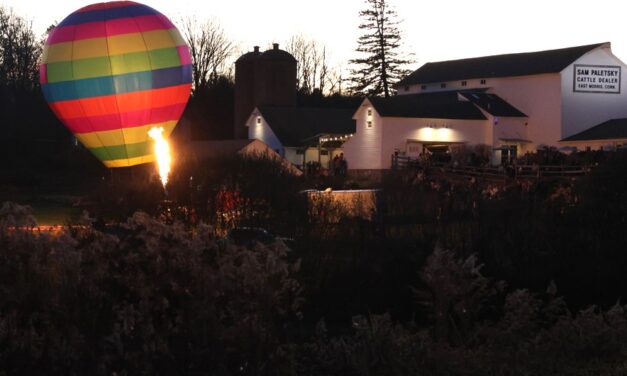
x=111, y=72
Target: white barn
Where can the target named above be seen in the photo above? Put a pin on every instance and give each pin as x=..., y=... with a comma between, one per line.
x=302, y=134
x=512, y=103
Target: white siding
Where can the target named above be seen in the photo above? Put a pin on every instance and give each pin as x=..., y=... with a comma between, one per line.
x=399, y=130
x=263, y=132
x=292, y=156
x=509, y=131
x=363, y=150
x=510, y=128
x=538, y=96
x=585, y=110
x=474, y=83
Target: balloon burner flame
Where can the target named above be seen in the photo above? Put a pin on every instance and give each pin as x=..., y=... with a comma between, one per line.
x=162, y=152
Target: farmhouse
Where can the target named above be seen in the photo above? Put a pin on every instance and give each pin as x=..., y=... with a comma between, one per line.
x=506, y=104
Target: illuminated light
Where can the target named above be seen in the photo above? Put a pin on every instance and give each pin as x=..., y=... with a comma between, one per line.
x=162, y=152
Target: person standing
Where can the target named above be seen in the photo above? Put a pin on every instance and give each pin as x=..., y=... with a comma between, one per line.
x=342, y=163
x=335, y=165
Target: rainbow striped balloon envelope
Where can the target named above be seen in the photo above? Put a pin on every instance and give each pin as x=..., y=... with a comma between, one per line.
x=111, y=72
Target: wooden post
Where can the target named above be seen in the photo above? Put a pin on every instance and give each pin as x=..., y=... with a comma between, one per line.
x=319, y=156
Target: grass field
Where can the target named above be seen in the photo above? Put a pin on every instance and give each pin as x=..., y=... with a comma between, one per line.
x=53, y=213
x=49, y=211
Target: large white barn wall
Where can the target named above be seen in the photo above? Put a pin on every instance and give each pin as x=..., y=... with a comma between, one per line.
x=582, y=110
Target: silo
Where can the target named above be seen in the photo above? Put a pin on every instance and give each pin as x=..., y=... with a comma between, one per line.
x=267, y=78
x=244, y=91
x=275, y=78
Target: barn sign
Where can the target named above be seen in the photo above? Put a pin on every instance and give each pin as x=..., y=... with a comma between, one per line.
x=596, y=79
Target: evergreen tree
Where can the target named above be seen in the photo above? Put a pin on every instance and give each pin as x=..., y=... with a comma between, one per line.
x=382, y=65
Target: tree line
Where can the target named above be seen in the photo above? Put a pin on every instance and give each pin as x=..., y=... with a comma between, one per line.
x=379, y=64
x=374, y=72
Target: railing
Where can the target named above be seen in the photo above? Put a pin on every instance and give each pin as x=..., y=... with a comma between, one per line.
x=401, y=162
x=518, y=171
x=513, y=171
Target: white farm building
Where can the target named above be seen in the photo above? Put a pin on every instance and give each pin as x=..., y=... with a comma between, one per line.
x=510, y=104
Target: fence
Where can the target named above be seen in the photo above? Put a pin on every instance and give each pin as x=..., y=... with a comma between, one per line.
x=517, y=171
x=512, y=171
x=400, y=162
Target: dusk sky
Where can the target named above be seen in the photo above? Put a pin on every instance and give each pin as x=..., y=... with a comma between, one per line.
x=432, y=30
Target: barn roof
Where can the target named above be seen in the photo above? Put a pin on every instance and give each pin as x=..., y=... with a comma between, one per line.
x=518, y=64
x=294, y=126
x=609, y=130
x=492, y=104
x=437, y=105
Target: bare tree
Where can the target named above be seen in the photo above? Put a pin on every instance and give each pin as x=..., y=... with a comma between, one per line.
x=210, y=49
x=335, y=79
x=20, y=50
x=313, y=67
x=298, y=46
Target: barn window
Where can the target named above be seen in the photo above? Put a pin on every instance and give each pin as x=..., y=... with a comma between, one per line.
x=369, y=124
x=464, y=83
x=442, y=86
x=258, y=120
x=483, y=82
